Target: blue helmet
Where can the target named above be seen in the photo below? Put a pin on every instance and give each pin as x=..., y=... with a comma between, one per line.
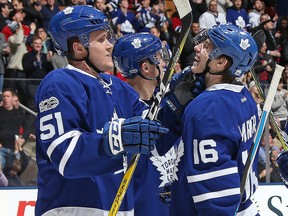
x=76, y=21
x=131, y=49
x=232, y=41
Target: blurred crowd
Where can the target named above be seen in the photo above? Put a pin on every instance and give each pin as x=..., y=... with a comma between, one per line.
x=27, y=53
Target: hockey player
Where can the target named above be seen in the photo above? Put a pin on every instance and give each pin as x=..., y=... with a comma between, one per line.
x=86, y=121
x=141, y=59
x=217, y=129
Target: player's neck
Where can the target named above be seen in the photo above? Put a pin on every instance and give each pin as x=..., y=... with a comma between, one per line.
x=145, y=88
x=82, y=65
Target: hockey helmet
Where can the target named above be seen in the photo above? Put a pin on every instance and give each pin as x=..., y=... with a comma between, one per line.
x=231, y=41
x=77, y=21
x=131, y=49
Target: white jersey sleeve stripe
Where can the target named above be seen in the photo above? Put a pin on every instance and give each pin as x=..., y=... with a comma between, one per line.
x=217, y=194
x=60, y=139
x=211, y=175
x=68, y=153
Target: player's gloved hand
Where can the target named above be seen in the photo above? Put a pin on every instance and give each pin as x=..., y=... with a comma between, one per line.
x=165, y=194
x=282, y=161
x=183, y=88
x=133, y=135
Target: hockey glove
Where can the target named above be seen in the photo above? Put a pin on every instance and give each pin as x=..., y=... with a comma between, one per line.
x=165, y=194
x=133, y=135
x=282, y=161
x=183, y=88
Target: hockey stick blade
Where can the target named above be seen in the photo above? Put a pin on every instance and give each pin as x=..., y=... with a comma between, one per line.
x=185, y=12
x=260, y=129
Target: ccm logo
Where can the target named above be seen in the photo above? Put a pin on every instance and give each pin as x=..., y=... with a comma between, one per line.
x=22, y=205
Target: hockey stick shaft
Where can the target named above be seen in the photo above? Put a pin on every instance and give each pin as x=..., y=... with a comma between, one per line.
x=276, y=126
x=260, y=129
x=185, y=12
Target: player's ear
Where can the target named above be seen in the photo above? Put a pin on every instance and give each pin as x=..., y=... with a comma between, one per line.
x=144, y=67
x=222, y=61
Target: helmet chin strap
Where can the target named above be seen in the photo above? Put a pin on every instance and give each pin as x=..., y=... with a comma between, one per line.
x=208, y=69
x=89, y=63
x=157, y=78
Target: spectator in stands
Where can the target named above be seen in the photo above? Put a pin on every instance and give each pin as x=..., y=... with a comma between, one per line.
x=198, y=8
x=4, y=15
x=281, y=35
x=76, y=2
x=177, y=68
x=212, y=16
x=16, y=16
x=264, y=66
x=48, y=11
x=17, y=44
x=107, y=9
x=11, y=120
x=16, y=102
x=257, y=97
x=195, y=28
x=222, y=5
x=237, y=15
x=3, y=179
x=271, y=42
x=262, y=159
x=36, y=66
x=32, y=10
x=15, y=167
x=285, y=76
x=280, y=105
x=4, y=51
x=124, y=20
x=47, y=44
x=254, y=15
x=275, y=174
x=149, y=16
x=156, y=32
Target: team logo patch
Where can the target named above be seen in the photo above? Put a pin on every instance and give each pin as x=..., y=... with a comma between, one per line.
x=238, y=72
x=48, y=104
x=68, y=10
x=136, y=43
x=167, y=165
x=244, y=44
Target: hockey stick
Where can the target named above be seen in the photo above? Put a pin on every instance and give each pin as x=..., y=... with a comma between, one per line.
x=282, y=136
x=185, y=12
x=260, y=129
x=260, y=38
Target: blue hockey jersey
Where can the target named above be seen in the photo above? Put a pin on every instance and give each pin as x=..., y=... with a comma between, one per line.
x=76, y=177
x=218, y=129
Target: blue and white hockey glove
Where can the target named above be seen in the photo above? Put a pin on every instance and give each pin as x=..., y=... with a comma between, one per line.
x=133, y=135
x=183, y=88
x=165, y=194
x=282, y=161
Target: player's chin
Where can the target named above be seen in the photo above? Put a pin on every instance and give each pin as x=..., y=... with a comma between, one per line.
x=109, y=66
x=196, y=67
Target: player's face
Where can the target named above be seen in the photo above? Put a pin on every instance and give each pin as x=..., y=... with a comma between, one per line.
x=101, y=50
x=202, y=54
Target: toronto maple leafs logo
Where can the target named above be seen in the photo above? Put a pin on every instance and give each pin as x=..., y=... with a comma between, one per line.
x=244, y=44
x=167, y=164
x=68, y=10
x=136, y=43
x=238, y=72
